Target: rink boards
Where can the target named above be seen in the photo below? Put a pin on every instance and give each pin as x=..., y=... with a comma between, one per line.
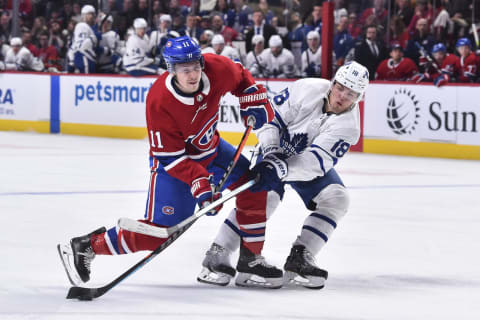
x=398, y=118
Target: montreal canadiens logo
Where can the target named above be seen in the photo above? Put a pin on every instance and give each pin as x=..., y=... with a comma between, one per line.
x=168, y=210
x=168, y=44
x=203, y=139
x=402, y=112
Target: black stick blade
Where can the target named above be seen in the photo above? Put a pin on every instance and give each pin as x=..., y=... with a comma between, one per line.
x=84, y=294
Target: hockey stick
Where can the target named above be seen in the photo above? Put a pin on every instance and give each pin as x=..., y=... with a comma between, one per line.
x=81, y=293
x=91, y=293
x=162, y=232
x=427, y=56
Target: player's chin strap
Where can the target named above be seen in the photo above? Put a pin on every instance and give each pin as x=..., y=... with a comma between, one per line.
x=175, y=232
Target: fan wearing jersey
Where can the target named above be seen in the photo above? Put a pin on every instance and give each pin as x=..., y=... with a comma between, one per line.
x=316, y=122
x=188, y=157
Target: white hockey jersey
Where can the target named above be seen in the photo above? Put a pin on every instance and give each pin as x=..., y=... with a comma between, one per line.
x=136, y=52
x=254, y=64
x=282, y=66
x=85, y=41
x=24, y=60
x=312, y=139
x=312, y=59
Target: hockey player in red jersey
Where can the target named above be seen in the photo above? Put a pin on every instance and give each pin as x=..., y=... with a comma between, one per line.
x=188, y=157
x=445, y=67
x=397, y=67
x=468, y=61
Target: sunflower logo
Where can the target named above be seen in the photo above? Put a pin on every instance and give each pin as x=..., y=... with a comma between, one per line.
x=402, y=112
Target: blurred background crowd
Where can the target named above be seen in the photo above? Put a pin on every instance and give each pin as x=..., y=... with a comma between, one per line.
x=406, y=40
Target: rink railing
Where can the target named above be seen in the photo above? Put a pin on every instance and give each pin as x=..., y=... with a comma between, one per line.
x=399, y=118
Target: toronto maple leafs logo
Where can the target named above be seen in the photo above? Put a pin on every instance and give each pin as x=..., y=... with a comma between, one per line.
x=294, y=145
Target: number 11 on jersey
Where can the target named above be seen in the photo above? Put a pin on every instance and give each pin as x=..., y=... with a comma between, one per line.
x=155, y=140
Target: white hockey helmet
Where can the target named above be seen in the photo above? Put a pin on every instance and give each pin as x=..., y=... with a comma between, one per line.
x=354, y=76
x=218, y=39
x=16, y=41
x=87, y=9
x=275, y=41
x=257, y=38
x=139, y=23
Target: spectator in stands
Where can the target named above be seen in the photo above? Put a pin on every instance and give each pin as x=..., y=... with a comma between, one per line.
x=259, y=27
x=397, y=67
x=137, y=60
x=39, y=25
x=229, y=34
x=3, y=52
x=56, y=37
x=142, y=11
x=219, y=47
x=398, y=32
x=353, y=27
x=317, y=17
x=378, y=11
x=20, y=58
x=241, y=16
x=404, y=11
x=253, y=61
x=339, y=11
x=267, y=13
x=176, y=10
x=48, y=53
x=27, y=41
x=442, y=24
x=312, y=57
x=191, y=29
x=278, y=62
x=420, y=43
x=370, y=51
x=422, y=11
x=5, y=26
x=468, y=61
x=342, y=41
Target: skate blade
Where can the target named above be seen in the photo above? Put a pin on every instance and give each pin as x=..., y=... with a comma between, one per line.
x=66, y=256
x=307, y=282
x=211, y=277
x=255, y=281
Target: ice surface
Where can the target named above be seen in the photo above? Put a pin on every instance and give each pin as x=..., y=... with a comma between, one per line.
x=408, y=248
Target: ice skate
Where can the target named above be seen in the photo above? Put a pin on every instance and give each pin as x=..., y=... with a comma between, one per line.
x=77, y=257
x=254, y=271
x=216, y=269
x=300, y=269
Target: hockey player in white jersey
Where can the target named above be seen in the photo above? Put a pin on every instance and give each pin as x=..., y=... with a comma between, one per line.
x=220, y=48
x=277, y=61
x=253, y=61
x=85, y=43
x=137, y=60
x=312, y=57
x=109, y=62
x=20, y=58
x=316, y=122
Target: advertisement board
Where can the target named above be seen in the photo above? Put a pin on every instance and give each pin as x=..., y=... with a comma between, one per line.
x=24, y=102
x=422, y=113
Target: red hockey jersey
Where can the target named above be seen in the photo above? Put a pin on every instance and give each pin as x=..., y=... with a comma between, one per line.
x=450, y=66
x=389, y=70
x=468, y=68
x=183, y=129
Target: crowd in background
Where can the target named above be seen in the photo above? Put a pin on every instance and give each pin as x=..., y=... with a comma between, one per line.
x=416, y=40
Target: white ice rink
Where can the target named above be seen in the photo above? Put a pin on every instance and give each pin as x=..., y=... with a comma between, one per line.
x=409, y=248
